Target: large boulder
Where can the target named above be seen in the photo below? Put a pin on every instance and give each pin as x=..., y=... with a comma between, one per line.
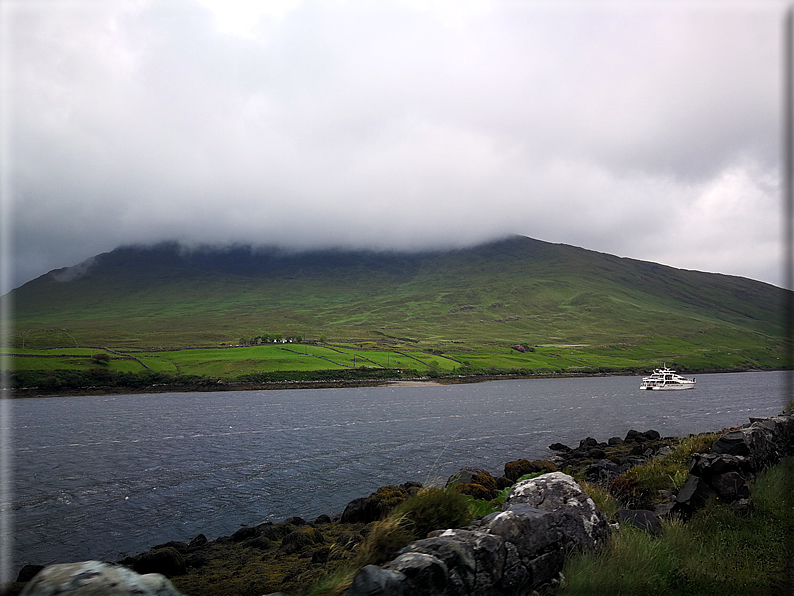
x=92, y=578
x=640, y=518
x=576, y=516
x=730, y=487
x=518, y=551
x=473, y=562
x=535, y=536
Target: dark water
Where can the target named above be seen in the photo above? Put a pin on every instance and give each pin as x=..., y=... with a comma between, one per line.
x=101, y=477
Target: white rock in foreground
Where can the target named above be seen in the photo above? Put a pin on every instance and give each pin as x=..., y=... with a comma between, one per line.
x=92, y=578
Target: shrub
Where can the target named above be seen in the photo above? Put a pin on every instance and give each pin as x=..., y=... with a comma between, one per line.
x=386, y=537
x=480, y=508
x=434, y=509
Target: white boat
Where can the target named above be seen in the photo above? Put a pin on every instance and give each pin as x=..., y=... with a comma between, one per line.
x=665, y=379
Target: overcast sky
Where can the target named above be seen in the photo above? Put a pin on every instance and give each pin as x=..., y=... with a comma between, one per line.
x=646, y=130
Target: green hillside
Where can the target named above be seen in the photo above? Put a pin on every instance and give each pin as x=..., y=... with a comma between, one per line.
x=468, y=304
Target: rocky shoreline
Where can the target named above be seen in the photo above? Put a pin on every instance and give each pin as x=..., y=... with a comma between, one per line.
x=289, y=556
x=293, y=552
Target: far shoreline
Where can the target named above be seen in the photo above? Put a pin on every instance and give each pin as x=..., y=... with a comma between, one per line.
x=221, y=386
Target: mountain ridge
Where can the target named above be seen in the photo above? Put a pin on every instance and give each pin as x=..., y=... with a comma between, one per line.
x=513, y=290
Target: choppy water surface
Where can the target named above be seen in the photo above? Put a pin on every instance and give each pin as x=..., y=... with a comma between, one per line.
x=104, y=476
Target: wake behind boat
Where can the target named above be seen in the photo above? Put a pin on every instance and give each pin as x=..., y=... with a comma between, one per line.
x=665, y=379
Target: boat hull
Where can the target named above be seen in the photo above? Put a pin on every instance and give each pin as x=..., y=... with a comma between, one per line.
x=670, y=387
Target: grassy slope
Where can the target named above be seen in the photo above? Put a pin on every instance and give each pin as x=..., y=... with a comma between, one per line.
x=468, y=303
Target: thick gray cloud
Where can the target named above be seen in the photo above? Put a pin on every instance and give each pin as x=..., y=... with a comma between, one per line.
x=642, y=130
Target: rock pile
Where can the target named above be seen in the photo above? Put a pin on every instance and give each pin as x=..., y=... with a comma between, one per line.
x=516, y=551
x=735, y=459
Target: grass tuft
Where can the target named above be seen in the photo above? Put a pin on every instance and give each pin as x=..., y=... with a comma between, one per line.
x=429, y=509
x=640, y=486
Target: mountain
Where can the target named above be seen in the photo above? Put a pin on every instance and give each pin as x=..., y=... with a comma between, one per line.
x=518, y=290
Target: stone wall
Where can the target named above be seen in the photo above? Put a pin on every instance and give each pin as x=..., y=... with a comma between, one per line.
x=521, y=550
x=735, y=459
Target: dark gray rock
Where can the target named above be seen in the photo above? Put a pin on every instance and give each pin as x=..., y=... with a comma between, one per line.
x=640, y=518
x=374, y=581
x=516, y=577
x=165, y=561
x=664, y=509
x=604, y=471
x=763, y=442
x=631, y=436
x=732, y=443
x=530, y=529
x=730, y=487
x=465, y=475
x=374, y=507
x=425, y=573
x=635, y=460
x=244, y=533
x=692, y=496
x=198, y=542
x=587, y=443
x=181, y=547
x=28, y=572
x=662, y=451
x=652, y=435
x=707, y=465
x=502, y=482
x=614, y=441
x=577, y=517
x=489, y=553
x=559, y=447
x=458, y=556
